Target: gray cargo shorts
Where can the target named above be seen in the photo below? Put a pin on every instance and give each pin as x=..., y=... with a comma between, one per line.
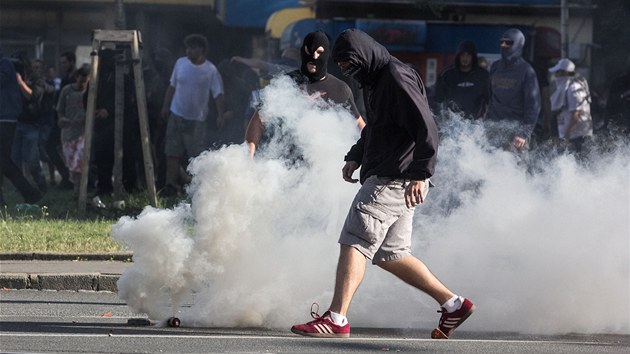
x=379, y=223
x=184, y=136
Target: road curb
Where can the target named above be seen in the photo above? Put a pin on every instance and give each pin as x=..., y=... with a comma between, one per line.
x=60, y=281
x=54, y=256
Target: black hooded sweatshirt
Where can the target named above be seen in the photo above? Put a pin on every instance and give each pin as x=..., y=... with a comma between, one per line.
x=467, y=92
x=400, y=139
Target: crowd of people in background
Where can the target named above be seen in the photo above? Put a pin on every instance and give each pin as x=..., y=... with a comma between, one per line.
x=547, y=105
x=194, y=105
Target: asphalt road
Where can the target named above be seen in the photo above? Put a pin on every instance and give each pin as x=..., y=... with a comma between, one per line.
x=97, y=322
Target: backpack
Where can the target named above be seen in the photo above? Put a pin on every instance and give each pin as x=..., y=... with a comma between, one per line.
x=581, y=80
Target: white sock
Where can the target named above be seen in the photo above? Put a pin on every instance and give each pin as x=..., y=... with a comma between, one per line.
x=339, y=320
x=453, y=304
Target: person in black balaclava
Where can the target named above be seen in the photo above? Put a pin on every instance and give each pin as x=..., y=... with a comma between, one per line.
x=515, y=92
x=315, y=53
x=464, y=86
x=313, y=77
x=397, y=153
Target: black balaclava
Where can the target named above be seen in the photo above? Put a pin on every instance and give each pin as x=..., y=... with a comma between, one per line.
x=516, y=49
x=312, y=41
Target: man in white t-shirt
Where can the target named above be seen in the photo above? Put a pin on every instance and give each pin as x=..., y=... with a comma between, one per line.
x=186, y=101
x=571, y=101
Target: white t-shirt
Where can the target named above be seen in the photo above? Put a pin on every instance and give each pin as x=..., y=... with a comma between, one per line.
x=577, y=99
x=193, y=84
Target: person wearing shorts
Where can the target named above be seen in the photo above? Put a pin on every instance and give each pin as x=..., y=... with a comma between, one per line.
x=397, y=152
x=193, y=81
x=186, y=137
x=379, y=223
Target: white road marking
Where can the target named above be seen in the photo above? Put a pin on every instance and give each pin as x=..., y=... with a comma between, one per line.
x=290, y=337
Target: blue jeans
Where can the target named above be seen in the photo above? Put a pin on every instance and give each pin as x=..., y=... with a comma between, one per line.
x=45, y=128
x=9, y=170
x=25, y=151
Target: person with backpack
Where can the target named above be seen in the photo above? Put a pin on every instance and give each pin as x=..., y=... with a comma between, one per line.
x=571, y=102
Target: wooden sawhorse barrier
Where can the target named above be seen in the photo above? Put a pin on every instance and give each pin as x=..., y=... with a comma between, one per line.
x=117, y=37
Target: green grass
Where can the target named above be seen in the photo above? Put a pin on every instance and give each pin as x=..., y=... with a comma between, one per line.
x=53, y=224
x=66, y=236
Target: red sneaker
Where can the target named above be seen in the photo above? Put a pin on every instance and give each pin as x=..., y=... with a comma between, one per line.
x=322, y=327
x=450, y=321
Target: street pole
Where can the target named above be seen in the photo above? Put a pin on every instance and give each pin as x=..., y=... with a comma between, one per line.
x=564, y=28
x=121, y=21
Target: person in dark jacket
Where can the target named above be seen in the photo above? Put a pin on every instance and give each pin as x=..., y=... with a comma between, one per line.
x=397, y=153
x=104, y=127
x=464, y=86
x=10, y=110
x=313, y=76
x=25, y=148
x=515, y=91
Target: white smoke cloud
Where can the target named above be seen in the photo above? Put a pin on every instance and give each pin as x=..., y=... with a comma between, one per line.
x=544, y=251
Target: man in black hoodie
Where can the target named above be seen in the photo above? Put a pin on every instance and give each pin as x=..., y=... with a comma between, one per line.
x=397, y=151
x=464, y=86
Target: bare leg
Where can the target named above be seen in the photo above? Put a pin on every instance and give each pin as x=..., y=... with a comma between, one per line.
x=350, y=272
x=414, y=272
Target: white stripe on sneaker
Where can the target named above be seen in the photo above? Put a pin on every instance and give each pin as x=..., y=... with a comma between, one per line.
x=451, y=322
x=323, y=328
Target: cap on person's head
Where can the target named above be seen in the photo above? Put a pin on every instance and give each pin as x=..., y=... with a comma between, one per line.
x=564, y=65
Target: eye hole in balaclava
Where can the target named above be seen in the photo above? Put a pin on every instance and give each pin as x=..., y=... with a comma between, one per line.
x=311, y=43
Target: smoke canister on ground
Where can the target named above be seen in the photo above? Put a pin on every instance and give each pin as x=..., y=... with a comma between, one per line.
x=173, y=322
